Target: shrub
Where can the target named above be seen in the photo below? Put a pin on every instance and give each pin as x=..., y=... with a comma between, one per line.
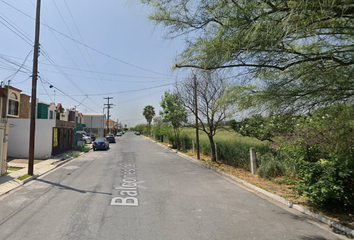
x=84, y=149
x=271, y=166
x=328, y=184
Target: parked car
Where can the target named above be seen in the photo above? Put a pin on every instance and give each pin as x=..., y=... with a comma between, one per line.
x=110, y=138
x=86, y=139
x=119, y=134
x=137, y=133
x=82, y=132
x=100, y=143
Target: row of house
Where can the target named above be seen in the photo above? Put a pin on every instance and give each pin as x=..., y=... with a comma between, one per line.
x=55, y=130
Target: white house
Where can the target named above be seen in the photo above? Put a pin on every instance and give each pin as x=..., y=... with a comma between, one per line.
x=19, y=133
x=18, y=145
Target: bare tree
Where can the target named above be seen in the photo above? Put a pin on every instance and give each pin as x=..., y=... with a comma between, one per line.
x=211, y=111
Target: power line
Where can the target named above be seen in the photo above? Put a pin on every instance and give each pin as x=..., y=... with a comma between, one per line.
x=139, y=97
x=65, y=51
x=67, y=27
x=46, y=91
x=19, y=35
x=51, y=85
x=98, y=72
x=15, y=73
x=18, y=65
x=91, y=48
x=129, y=91
x=46, y=55
x=82, y=41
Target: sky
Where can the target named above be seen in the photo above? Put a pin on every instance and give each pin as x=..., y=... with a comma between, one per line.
x=90, y=50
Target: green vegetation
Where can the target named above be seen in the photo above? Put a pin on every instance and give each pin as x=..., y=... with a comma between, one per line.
x=297, y=53
x=315, y=149
x=84, y=149
x=174, y=114
x=142, y=128
x=14, y=168
x=23, y=177
x=232, y=148
x=75, y=155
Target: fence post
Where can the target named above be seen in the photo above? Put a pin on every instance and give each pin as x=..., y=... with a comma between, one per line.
x=184, y=144
x=193, y=145
x=253, y=160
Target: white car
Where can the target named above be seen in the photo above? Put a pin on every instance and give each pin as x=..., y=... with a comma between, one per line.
x=87, y=139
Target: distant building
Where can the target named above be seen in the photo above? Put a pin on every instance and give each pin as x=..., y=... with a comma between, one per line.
x=95, y=124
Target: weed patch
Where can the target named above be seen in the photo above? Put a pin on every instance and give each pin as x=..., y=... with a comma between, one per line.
x=12, y=169
x=23, y=177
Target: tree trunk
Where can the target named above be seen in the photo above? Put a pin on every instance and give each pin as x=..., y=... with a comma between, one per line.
x=212, y=147
x=177, y=139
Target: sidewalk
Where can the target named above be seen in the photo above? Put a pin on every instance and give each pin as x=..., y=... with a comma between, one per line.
x=10, y=182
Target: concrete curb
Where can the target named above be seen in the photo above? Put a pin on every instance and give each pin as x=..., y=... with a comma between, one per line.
x=336, y=226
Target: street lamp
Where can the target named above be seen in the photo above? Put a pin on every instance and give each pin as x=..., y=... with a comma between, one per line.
x=51, y=86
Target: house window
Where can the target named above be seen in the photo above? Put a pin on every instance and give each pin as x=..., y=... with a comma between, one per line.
x=13, y=108
x=51, y=114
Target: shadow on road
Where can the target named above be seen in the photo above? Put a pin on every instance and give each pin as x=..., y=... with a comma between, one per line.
x=70, y=188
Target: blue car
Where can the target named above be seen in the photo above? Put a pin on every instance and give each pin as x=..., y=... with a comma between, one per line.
x=100, y=143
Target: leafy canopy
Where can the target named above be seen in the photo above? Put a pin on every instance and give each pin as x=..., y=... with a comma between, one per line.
x=173, y=112
x=149, y=113
x=301, y=50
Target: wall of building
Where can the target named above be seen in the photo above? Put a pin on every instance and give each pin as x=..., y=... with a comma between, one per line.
x=42, y=111
x=64, y=116
x=4, y=128
x=95, y=124
x=51, y=108
x=25, y=106
x=18, y=144
x=94, y=120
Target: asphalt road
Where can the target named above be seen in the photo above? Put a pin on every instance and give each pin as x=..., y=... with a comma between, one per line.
x=140, y=190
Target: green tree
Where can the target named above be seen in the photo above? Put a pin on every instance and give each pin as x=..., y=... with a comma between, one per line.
x=257, y=126
x=140, y=128
x=160, y=129
x=301, y=51
x=173, y=113
x=266, y=127
x=149, y=113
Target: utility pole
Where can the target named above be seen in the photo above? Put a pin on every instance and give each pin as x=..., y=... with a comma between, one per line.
x=34, y=91
x=108, y=107
x=196, y=115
